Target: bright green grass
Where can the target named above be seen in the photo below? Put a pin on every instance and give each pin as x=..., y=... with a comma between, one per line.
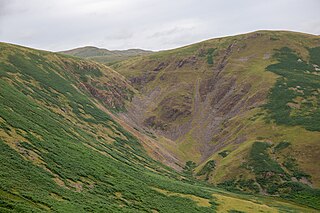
x=299, y=86
x=275, y=176
x=26, y=187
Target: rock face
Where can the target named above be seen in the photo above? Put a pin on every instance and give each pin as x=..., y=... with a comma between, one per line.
x=197, y=104
x=112, y=95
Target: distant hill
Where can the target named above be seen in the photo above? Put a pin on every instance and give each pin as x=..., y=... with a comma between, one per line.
x=105, y=56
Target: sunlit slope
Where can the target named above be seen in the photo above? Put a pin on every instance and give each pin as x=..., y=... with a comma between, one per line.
x=223, y=101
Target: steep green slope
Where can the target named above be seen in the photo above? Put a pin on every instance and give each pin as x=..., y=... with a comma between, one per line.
x=103, y=55
x=62, y=152
x=295, y=99
x=211, y=103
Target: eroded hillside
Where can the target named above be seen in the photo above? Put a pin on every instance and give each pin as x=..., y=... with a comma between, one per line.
x=217, y=101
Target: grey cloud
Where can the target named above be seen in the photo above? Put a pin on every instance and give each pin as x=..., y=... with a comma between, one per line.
x=170, y=32
x=149, y=24
x=118, y=35
x=4, y=8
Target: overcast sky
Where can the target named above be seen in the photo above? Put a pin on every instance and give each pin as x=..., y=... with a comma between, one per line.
x=148, y=24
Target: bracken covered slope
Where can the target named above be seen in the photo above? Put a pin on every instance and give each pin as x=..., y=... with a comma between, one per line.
x=61, y=151
x=244, y=108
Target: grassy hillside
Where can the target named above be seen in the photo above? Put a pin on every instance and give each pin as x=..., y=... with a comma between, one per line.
x=214, y=102
x=62, y=152
x=103, y=55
